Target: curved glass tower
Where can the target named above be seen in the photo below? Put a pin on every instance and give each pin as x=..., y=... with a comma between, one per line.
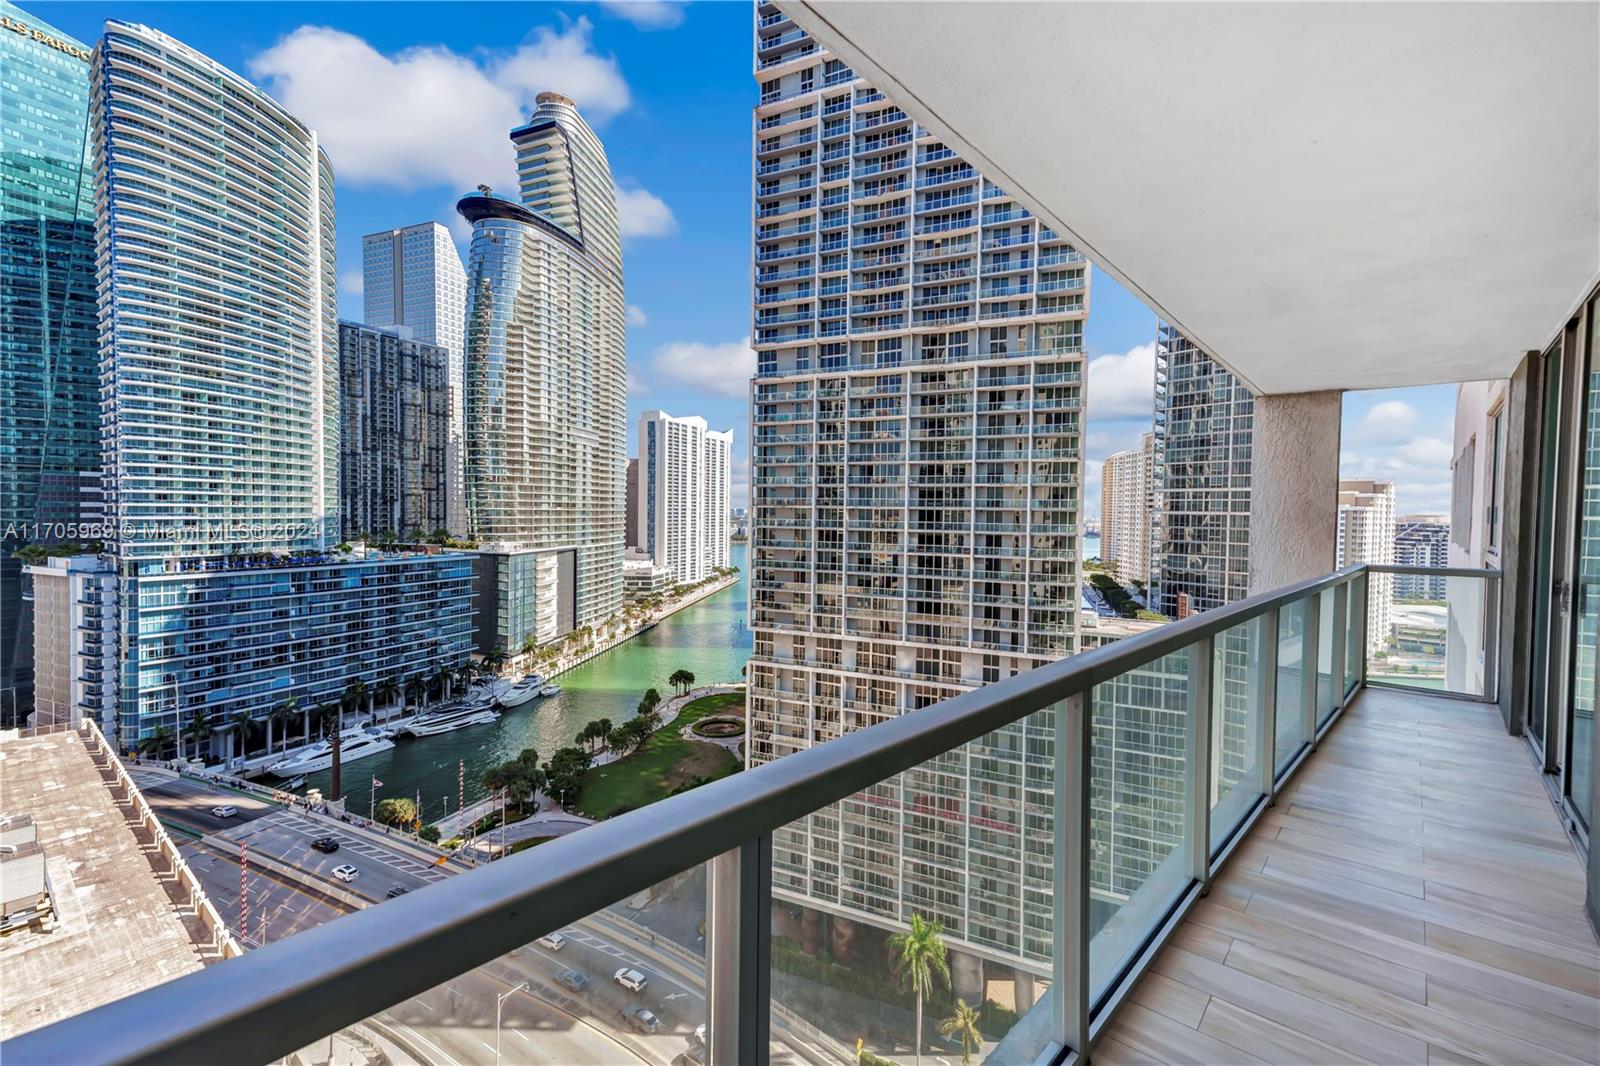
x=546, y=386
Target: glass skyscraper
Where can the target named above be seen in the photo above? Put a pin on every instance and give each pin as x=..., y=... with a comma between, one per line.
x=49, y=381
x=413, y=277
x=916, y=421
x=1204, y=419
x=546, y=385
x=219, y=365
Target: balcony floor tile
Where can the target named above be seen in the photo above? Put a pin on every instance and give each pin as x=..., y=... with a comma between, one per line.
x=1412, y=897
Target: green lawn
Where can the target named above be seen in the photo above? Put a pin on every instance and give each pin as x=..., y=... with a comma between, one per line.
x=668, y=760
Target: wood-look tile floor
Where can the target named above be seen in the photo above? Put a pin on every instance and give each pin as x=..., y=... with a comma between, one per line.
x=1411, y=898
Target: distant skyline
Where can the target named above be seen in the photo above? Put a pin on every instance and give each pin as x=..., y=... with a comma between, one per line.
x=414, y=107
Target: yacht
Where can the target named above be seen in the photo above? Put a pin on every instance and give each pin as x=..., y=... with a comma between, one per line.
x=474, y=712
x=319, y=756
x=551, y=689
x=523, y=691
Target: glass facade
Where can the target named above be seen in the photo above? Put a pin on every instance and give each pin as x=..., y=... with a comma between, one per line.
x=216, y=640
x=413, y=277
x=49, y=380
x=916, y=418
x=394, y=433
x=1204, y=419
x=545, y=371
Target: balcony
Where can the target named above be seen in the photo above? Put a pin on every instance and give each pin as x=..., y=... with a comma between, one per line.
x=1351, y=870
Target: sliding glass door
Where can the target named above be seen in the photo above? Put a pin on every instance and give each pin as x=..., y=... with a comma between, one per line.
x=1586, y=592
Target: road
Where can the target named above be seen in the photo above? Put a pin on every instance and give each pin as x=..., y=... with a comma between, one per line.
x=187, y=804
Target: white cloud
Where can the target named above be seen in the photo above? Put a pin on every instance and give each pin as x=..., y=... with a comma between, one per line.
x=636, y=386
x=352, y=283
x=724, y=369
x=1390, y=422
x=426, y=115
x=637, y=317
x=641, y=213
x=1122, y=386
x=647, y=14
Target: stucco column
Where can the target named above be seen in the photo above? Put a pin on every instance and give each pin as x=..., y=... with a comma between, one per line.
x=1294, y=488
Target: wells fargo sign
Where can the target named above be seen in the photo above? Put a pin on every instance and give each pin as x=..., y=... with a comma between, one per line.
x=9, y=23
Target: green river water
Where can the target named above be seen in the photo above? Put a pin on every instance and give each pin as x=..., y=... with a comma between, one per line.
x=709, y=639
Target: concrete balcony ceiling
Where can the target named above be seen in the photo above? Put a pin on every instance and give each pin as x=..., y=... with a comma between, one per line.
x=1320, y=195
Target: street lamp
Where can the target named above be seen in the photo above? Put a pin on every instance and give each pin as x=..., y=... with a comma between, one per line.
x=500, y=1002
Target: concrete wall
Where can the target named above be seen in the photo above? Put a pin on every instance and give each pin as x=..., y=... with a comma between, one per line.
x=1294, y=488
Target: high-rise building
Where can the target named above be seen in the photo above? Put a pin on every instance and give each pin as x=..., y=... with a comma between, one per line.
x=630, y=521
x=1200, y=538
x=1421, y=540
x=915, y=489
x=413, y=277
x=49, y=373
x=1366, y=535
x=394, y=432
x=546, y=385
x=75, y=641
x=220, y=375
x=683, y=472
x=1126, y=503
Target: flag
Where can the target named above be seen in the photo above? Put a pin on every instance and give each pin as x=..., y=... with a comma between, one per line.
x=376, y=783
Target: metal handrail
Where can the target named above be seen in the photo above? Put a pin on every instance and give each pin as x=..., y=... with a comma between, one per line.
x=286, y=995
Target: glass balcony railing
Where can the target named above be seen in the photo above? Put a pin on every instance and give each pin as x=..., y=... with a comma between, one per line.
x=1064, y=820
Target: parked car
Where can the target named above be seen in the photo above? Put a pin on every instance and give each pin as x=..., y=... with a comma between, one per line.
x=632, y=980
x=553, y=941
x=346, y=872
x=695, y=1056
x=642, y=1020
x=572, y=981
x=226, y=810
x=326, y=845
x=397, y=890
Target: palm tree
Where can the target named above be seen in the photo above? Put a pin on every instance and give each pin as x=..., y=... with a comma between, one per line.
x=495, y=659
x=281, y=716
x=197, y=730
x=963, y=1024
x=442, y=680
x=386, y=692
x=241, y=722
x=617, y=740
x=354, y=698
x=333, y=722
x=919, y=961
x=681, y=680
x=156, y=742
x=602, y=729
x=416, y=689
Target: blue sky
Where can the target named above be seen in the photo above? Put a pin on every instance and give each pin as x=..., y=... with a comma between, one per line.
x=414, y=101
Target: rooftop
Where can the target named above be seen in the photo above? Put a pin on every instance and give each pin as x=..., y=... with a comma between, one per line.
x=117, y=929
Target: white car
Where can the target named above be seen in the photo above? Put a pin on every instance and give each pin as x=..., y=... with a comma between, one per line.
x=346, y=872
x=553, y=941
x=226, y=810
x=632, y=980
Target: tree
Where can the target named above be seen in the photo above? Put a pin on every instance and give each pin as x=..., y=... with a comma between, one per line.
x=919, y=961
x=333, y=722
x=354, y=699
x=386, y=691
x=240, y=722
x=963, y=1025
x=635, y=735
x=495, y=659
x=198, y=729
x=563, y=774
x=398, y=811
x=281, y=716
x=617, y=740
x=156, y=743
x=681, y=680
x=416, y=689
x=650, y=711
x=652, y=697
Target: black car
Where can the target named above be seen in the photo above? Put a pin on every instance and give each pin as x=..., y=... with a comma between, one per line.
x=326, y=844
x=397, y=890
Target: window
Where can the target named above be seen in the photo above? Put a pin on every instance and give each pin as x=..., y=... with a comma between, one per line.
x=1492, y=509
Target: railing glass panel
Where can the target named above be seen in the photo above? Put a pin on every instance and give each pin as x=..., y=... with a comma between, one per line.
x=1138, y=789
x=1237, y=719
x=1355, y=652
x=1291, y=724
x=1329, y=612
x=1434, y=631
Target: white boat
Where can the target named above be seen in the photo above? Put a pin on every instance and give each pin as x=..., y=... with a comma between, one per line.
x=477, y=712
x=551, y=689
x=523, y=691
x=319, y=756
